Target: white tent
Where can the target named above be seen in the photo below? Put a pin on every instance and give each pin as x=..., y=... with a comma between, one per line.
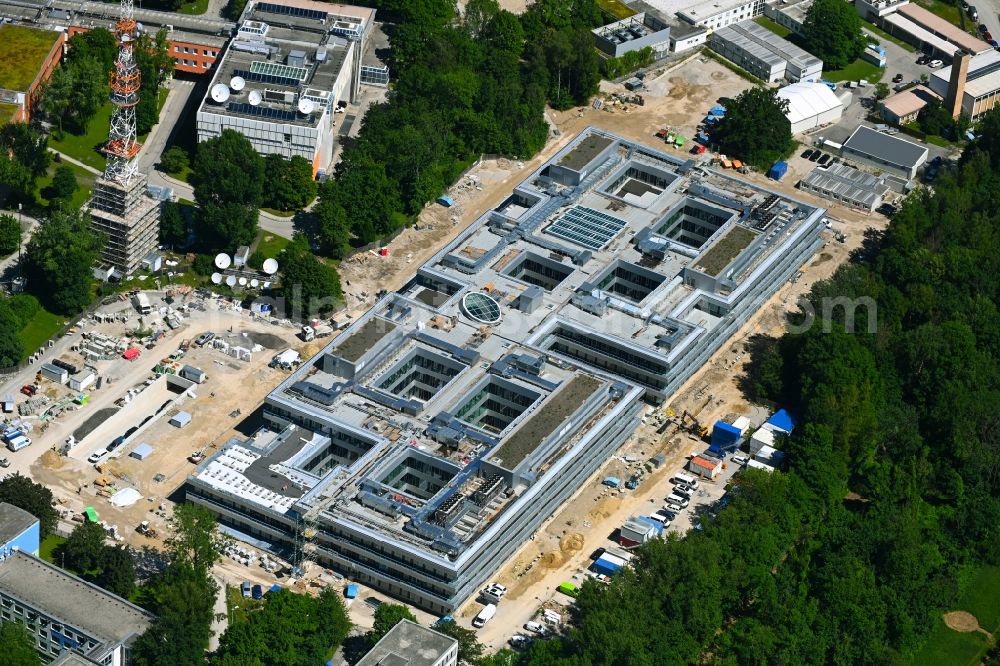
x=810, y=105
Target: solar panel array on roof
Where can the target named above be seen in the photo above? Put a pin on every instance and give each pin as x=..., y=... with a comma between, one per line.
x=291, y=11
x=266, y=78
x=261, y=111
x=587, y=227
x=277, y=69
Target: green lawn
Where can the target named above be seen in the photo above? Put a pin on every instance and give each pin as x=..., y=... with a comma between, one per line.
x=946, y=647
x=197, y=7
x=83, y=177
x=237, y=605
x=279, y=213
x=270, y=245
x=48, y=545
x=86, y=147
x=857, y=70
x=882, y=34
x=41, y=327
x=779, y=30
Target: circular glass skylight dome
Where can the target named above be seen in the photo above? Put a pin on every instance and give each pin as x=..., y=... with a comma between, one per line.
x=481, y=307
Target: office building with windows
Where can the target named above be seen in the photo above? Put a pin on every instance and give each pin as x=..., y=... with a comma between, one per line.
x=288, y=71
x=420, y=448
x=66, y=615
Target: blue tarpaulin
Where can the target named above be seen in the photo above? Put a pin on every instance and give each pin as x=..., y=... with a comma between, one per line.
x=649, y=521
x=351, y=592
x=274, y=588
x=445, y=200
x=718, y=110
x=782, y=421
x=709, y=120
x=701, y=138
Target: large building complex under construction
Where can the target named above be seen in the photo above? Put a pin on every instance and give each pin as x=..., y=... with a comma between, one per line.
x=427, y=442
x=282, y=77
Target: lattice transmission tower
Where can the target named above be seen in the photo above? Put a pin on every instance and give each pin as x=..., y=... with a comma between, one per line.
x=126, y=81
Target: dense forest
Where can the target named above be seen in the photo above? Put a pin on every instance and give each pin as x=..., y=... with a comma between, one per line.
x=460, y=89
x=892, y=495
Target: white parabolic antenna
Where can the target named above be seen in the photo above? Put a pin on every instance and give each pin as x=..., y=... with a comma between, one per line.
x=266, y=285
x=222, y=261
x=231, y=280
x=270, y=266
x=237, y=83
x=255, y=97
x=306, y=106
x=243, y=282
x=254, y=282
x=220, y=93
x=216, y=278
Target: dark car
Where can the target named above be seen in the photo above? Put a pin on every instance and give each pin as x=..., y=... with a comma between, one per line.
x=983, y=29
x=937, y=161
x=987, y=36
x=897, y=78
x=886, y=209
x=823, y=160
x=834, y=161
x=995, y=44
x=115, y=443
x=815, y=155
x=257, y=592
x=923, y=60
x=807, y=153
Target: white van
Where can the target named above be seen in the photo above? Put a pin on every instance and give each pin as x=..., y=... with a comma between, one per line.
x=685, y=479
x=678, y=500
x=485, y=615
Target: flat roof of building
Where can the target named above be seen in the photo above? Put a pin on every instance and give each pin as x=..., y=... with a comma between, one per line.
x=982, y=79
x=23, y=51
x=909, y=101
x=63, y=596
x=891, y=149
x=701, y=10
x=764, y=44
x=844, y=181
x=946, y=29
x=13, y=521
x=411, y=645
x=908, y=26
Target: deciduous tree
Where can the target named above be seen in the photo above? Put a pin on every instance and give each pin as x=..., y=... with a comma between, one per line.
x=228, y=181
x=84, y=548
x=755, y=128
x=832, y=30
x=17, y=645
x=58, y=260
x=10, y=234
x=33, y=497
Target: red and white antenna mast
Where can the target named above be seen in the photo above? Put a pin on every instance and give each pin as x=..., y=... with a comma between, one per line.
x=122, y=146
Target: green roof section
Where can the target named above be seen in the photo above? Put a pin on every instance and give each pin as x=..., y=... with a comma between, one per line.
x=364, y=338
x=725, y=250
x=7, y=111
x=22, y=53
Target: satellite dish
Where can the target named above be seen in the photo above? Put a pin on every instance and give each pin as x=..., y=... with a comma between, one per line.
x=270, y=266
x=138, y=27
x=220, y=93
x=254, y=283
x=266, y=285
x=255, y=98
x=222, y=261
x=243, y=282
x=306, y=106
x=237, y=83
x=216, y=278
x=126, y=38
x=231, y=280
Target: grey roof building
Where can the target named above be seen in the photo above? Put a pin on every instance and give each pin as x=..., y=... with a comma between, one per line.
x=409, y=644
x=66, y=613
x=14, y=521
x=884, y=152
x=847, y=185
x=765, y=55
x=422, y=446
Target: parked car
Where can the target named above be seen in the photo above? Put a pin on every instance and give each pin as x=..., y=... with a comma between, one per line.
x=257, y=592
x=204, y=339
x=807, y=153
x=897, y=78
x=824, y=159
x=661, y=517
x=983, y=29
x=740, y=460
x=923, y=59
x=987, y=36
x=115, y=443
x=995, y=44
x=97, y=456
x=29, y=390
x=886, y=209
x=672, y=506
x=520, y=641
x=683, y=487
x=245, y=588
x=934, y=64
x=534, y=627
x=815, y=156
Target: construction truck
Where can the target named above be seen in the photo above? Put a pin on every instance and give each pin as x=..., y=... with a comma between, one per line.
x=316, y=329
